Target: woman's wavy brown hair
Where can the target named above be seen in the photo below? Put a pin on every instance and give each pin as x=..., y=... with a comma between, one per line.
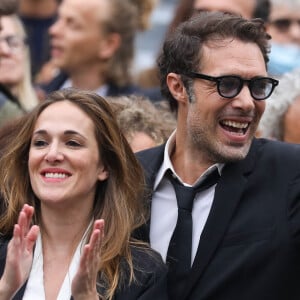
x=118, y=200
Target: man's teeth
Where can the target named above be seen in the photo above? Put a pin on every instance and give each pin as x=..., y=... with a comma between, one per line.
x=56, y=175
x=235, y=124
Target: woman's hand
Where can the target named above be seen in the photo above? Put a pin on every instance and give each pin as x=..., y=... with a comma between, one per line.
x=85, y=280
x=19, y=254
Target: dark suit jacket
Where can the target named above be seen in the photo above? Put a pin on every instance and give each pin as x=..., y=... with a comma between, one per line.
x=250, y=245
x=150, y=275
x=113, y=90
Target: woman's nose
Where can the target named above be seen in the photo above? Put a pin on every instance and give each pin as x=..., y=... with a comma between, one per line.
x=54, y=154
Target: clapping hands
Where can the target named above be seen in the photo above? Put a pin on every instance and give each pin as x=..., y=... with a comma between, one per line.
x=20, y=255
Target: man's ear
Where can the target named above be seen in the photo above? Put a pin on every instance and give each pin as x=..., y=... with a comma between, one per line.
x=176, y=87
x=109, y=45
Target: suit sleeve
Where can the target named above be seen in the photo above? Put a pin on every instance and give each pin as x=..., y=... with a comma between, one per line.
x=293, y=199
x=151, y=278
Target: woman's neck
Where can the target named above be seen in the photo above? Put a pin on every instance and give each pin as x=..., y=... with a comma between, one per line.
x=58, y=251
x=63, y=230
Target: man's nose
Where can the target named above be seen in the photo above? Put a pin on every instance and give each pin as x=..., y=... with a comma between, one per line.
x=244, y=100
x=55, y=28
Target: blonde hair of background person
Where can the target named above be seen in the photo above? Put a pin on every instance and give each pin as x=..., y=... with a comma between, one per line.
x=22, y=89
x=145, y=8
x=143, y=123
x=124, y=261
x=126, y=18
x=272, y=122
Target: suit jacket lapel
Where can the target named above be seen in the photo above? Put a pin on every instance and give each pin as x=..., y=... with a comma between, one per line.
x=151, y=161
x=227, y=195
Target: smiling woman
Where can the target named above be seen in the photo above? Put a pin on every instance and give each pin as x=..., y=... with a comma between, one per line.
x=66, y=172
x=64, y=151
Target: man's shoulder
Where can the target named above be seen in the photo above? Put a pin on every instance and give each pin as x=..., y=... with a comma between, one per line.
x=276, y=152
x=151, y=153
x=151, y=160
x=273, y=147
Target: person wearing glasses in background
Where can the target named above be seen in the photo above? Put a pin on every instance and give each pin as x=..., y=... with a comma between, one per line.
x=241, y=235
x=15, y=62
x=8, y=106
x=284, y=27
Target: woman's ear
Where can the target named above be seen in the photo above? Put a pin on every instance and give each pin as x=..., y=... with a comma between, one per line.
x=177, y=88
x=103, y=173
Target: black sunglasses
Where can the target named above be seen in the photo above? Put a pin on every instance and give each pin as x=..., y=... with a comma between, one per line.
x=284, y=24
x=229, y=86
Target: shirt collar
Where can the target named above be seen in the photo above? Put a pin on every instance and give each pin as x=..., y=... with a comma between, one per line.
x=167, y=164
x=101, y=91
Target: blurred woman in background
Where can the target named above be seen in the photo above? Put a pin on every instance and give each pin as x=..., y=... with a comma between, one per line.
x=15, y=63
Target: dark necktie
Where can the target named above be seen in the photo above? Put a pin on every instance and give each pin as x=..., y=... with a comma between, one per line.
x=180, y=247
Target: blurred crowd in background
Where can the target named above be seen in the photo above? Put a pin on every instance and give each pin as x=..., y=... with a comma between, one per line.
x=111, y=47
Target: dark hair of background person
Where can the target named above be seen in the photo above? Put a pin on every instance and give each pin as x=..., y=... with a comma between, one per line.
x=8, y=7
x=262, y=10
x=180, y=53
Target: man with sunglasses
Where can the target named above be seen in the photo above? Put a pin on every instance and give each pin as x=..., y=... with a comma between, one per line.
x=284, y=27
x=239, y=239
x=8, y=104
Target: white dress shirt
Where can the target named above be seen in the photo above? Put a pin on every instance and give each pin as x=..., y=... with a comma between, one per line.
x=164, y=210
